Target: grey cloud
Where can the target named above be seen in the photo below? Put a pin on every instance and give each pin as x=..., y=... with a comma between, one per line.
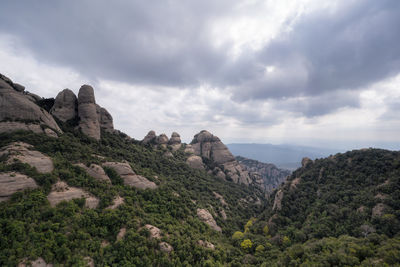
x=167, y=43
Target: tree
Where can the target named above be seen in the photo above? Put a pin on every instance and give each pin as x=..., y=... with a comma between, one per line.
x=246, y=244
x=237, y=235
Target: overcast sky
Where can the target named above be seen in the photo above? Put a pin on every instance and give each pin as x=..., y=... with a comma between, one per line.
x=311, y=72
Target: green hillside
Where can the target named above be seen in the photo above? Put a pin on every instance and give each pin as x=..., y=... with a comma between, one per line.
x=65, y=234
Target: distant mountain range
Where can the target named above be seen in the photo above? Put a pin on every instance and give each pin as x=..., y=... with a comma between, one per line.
x=283, y=156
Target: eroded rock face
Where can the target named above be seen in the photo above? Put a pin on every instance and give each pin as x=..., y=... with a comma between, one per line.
x=62, y=192
x=89, y=122
x=18, y=112
x=121, y=233
x=65, y=106
x=162, y=139
x=189, y=149
x=150, y=137
x=12, y=182
x=305, y=162
x=195, y=162
x=154, y=231
x=278, y=200
x=39, y=262
x=165, y=247
x=128, y=175
x=105, y=119
x=118, y=201
x=206, y=244
x=205, y=216
x=95, y=171
x=378, y=210
x=175, y=141
x=22, y=152
x=210, y=147
x=220, y=198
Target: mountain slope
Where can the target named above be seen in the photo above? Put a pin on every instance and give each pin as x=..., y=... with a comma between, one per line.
x=271, y=175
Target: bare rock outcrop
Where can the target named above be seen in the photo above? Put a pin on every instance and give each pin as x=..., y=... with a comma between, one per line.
x=154, y=231
x=65, y=106
x=210, y=147
x=175, y=141
x=24, y=153
x=206, y=244
x=205, y=216
x=121, y=233
x=12, y=182
x=128, y=175
x=118, y=201
x=39, y=262
x=221, y=199
x=165, y=247
x=150, y=137
x=105, y=119
x=189, y=149
x=278, y=200
x=88, y=119
x=162, y=140
x=18, y=112
x=62, y=192
x=378, y=210
x=195, y=162
x=95, y=171
x=305, y=162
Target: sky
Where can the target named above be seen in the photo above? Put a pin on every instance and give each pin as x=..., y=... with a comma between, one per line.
x=305, y=72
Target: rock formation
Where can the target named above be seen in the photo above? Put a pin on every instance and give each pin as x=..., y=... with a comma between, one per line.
x=24, y=153
x=105, y=119
x=155, y=232
x=12, y=182
x=88, y=118
x=150, y=137
x=195, y=162
x=206, y=244
x=278, y=200
x=95, y=171
x=39, y=262
x=207, y=218
x=65, y=106
x=210, y=148
x=121, y=233
x=220, y=198
x=165, y=247
x=270, y=175
x=18, y=112
x=118, y=201
x=62, y=192
x=128, y=175
x=175, y=141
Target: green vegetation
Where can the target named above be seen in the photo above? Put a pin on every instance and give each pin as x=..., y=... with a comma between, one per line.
x=339, y=211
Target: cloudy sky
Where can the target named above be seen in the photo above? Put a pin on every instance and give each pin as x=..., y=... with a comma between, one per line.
x=311, y=72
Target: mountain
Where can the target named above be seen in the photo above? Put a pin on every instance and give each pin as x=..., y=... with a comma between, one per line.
x=74, y=191
x=283, y=156
x=271, y=175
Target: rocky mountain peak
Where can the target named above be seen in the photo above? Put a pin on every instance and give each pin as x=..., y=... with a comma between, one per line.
x=65, y=105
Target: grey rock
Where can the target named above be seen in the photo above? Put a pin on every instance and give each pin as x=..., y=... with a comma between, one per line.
x=65, y=105
x=88, y=119
x=195, y=162
x=12, y=182
x=39, y=262
x=165, y=247
x=62, y=192
x=206, y=217
x=155, y=232
x=118, y=201
x=16, y=107
x=175, y=141
x=128, y=175
x=24, y=152
x=105, y=119
x=95, y=171
x=150, y=137
x=206, y=244
x=18, y=87
x=278, y=200
x=121, y=233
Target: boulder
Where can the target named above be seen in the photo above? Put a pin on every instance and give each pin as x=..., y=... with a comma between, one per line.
x=189, y=149
x=12, y=182
x=121, y=233
x=206, y=244
x=89, y=261
x=65, y=106
x=154, y=231
x=162, y=139
x=221, y=199
x=128, y=175
x=278, y=200
x=62, y=192
x=105, y=119
x=95, y=171
x=205, y=216
x=175, y=141
x=150, y=137
x=165, y=247
x=118, y=201
x=195, y=162
x=88, y=119
x=223, y=214
x=24, y=153
x=39, y=262
x=18, y=112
